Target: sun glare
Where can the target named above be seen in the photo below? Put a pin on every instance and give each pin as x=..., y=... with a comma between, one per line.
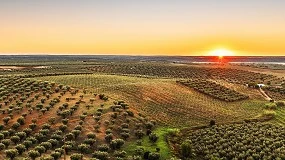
x=221, y=53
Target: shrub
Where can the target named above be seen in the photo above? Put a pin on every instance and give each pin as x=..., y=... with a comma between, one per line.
x=33, y=154
x=2, y=146
x=78, y=127
x=34, y=120
x=76, y=133
x=65, y=121
x=153, y=156
x=101, y=96
x=120, y=154
x=69, y=136
x=47, y=158
x=59, y=150
x=44, y=132
x=63, y=128
x=117, y=144
x=76, y=156
x=186, y=149
x=153, y=137
x=109, y=137
x=146, y=155
x=100, y=155
x=32, y=126
x=40, y=137
x=53, y=142
x=6, y=142
x=22, y=135
x=90, y=141
x=125, y=135
x=11, y=153
x=40, y=149
x=27, y=143
x=103, y=148
x=21, y=120
x=83, y=148
x=139, y=133
x=21, y=148
x=81, y=122
x=46, y=126
x=130, y=113
x=2, y=136
x=91, y=135
x=6, y=120
x=65, y=113
x=149, y=125
x=271, y=106
x=280, y=104
x=28, y=131
x=82, y=117
x=55, y=155
x=67, y=148
x=57, y=137
x=15, y=139
x=33, y=139
x=16, y=125
x=47, y=145
x=51, y=120
x=1, y=127
x=212, y=122
x=11, y=132
x=139, y=151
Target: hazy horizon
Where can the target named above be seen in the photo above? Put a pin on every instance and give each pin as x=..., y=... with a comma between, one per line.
x=134, y=55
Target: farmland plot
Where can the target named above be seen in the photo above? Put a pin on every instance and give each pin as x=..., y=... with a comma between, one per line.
x=169, y=103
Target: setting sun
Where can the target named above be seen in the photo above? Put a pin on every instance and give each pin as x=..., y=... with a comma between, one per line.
x=221, y=53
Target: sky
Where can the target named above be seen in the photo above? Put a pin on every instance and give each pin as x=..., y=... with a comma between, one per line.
x=142, y=27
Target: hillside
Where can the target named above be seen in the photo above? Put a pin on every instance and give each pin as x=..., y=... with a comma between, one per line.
x=165, y=100
x=42, y=119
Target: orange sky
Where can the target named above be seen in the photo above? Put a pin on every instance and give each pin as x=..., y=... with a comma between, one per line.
x=142, y=28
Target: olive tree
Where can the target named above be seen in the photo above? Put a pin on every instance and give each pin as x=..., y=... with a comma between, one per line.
x=21, y=148
x=76, y=156
x=33, y=154
x=11, y=153
x=15, y=139
x=117, y=144
x=186, y=149
x=6, y=120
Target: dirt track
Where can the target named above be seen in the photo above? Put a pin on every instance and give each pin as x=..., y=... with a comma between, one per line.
x=264, y=94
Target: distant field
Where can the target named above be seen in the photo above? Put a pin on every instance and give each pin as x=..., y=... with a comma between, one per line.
x=214, y=90
x=96, y=83
x=163, y=99
x=170, y=70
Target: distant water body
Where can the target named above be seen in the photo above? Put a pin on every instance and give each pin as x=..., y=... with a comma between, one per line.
x=174, y=59
x=278, y=63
